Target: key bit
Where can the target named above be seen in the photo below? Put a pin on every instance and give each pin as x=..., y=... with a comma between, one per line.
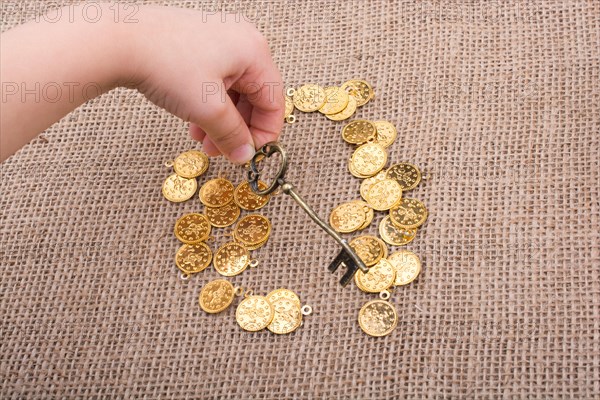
x=346, y=257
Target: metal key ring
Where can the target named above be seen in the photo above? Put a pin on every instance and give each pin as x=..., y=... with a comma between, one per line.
x=267, y=151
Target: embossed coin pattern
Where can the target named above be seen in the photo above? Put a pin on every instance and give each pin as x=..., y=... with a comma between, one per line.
x=386, y=133
x=378, y=318
x=408, y=214
x=384, y=195
x=380, y=277
x=308, y=98
x=368, y=182
x=254, y=313
x=216, y=192
x=192, y=228
x=336, y=100
x=359, y=131
x=346, y=112
x=216, y=296
x=369, y=159
x=178, y=189
x=407, y=175
x=360, y=90
x=368, y=249
x=220, y=217
x=252, y=229
x=231, y=259
x=190, y=164
x=287, y=316
x=407, y=265
x=348, y=217
x=192, y=258
x=245, y=198
x=393, y=235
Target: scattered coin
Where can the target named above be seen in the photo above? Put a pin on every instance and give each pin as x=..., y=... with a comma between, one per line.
x=360, y=90
x=178, y=189
x=380, y=277
x=336, y=100
x=407, y=175
x=192, y=228
x=216, y=296
x=309, y=98
x=348, y=217
x=386, y=133
x=193, y=258
x=407, y=265
x=216, y=192
x=384, y=195
x=409, y=213
x=359, y=131
x=393, y=235
x=378, y=318
x=190, y=164
x=220, y=217
x=368, y=249
x=231, y=259
x=254, y=313
x=346, y=112
x=252, y=229
x=369, y=159
x=245, y=198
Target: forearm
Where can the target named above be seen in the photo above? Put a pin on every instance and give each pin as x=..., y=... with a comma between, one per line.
x=47, y=69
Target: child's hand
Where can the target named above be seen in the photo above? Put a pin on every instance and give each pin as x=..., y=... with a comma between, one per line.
x=189, y=61
x=215, y=73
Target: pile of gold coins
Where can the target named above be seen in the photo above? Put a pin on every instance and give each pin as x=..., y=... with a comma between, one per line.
x=381, y=190
x=280, y=311
x=337, y=103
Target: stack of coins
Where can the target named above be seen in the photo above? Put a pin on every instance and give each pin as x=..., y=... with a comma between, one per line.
x=337, y=103
x=280, y=311
x=382, y=189
x=182, y=185
x=223, y=203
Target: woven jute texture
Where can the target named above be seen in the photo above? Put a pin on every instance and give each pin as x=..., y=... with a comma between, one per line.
x=497, y=102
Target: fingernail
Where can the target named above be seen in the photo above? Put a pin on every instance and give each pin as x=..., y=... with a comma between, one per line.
x=242, y=154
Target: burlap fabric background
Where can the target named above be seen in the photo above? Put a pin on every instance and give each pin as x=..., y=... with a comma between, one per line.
x=497, y=102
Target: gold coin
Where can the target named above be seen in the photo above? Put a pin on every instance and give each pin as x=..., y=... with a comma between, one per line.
x=377, y=318
x=360, y=90
x=192, y=228
x=216, y=192
x=178, y=189
x=370, y=181
x=369, y=159
x=386, y=133
x=220, y=217
x=393, y=235
x=380, y=277
x=359, y=131
x=191, y=164
x=354, y=173
x=383, y=247
x=248, y=200
x=192, y=258
x=309, y=98
x=368, y=249
x=348, y=217
x=368, y=216
x=252, y=229
x=255, y=246
x=409, y=213
x=384, y=195
x=283, y=294
x=407, y=265
x=289, y=107
x=336, y=100
x=216, y=296
x=287, y=316
x=231, y=259
x=407, y=175
x=254, y=313
x=346, y=112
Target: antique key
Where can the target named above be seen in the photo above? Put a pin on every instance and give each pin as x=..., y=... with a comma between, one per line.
x=346, y=257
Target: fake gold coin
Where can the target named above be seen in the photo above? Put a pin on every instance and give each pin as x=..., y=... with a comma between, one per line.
x=359, y=131
x=287, y=316
x=231, y=259
x=216, y=192
x=369, y=159
x=191, y=164
x=386, y=133
x=369, y=215
x=384, y=195
x=368, y=182
x=360, y=90
x=368, y=249
x=254, y=313
x=309, y=98
x=407, y=265
x=336, y=100
x=282, y=293
x=393, y=235
x=409, y=213
x=354, y=173
x=346, y=112
x=377, y=318
x=252, y=229
x=407, y=175
x=380, y=277
x=348, y=217
x=289, y=107
x=178, y=189
x=245, y=198
x=383, y=247
x=192, y=258
x=192, y=228
x=216, y=296
x=220, y=217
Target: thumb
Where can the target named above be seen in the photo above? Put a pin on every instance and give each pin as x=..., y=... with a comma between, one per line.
x=223, y=124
